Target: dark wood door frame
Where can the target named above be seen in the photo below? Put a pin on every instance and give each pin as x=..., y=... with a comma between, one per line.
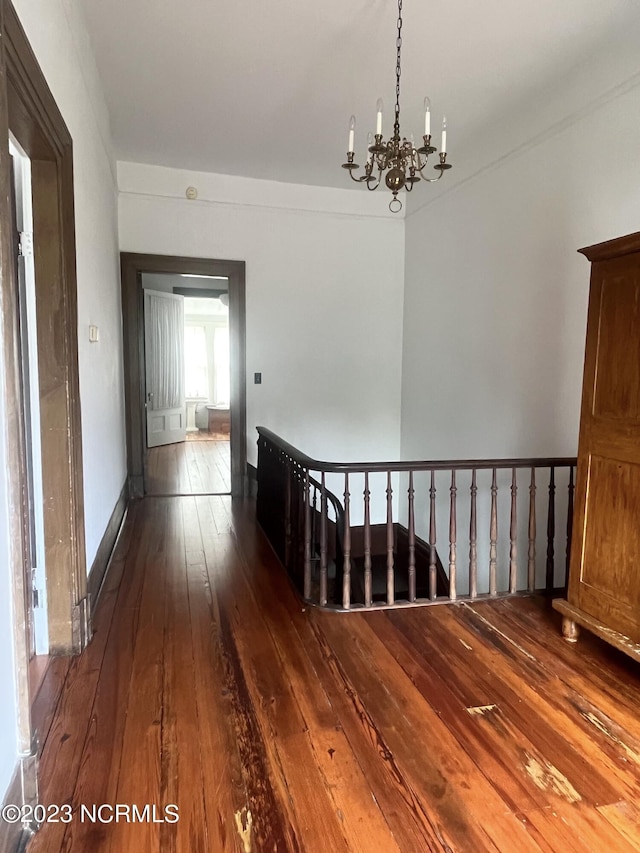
x=132, y=267
x=28, y=110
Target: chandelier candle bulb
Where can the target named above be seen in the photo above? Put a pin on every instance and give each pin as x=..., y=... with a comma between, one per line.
x=443, y=147
x=427, y=117
x=379, y=117
x=352, y=134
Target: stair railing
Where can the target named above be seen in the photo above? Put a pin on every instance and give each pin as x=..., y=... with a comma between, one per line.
x=382, y=549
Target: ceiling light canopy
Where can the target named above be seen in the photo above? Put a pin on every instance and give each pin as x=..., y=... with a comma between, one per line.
x=398, y=157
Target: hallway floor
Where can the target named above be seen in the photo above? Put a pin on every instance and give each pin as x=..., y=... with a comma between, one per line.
x=277, y=728
x=197, y=466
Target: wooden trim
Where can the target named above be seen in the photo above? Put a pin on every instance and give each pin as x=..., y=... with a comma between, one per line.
x=22, y=790
x=199, y=292
x=102, y=560
x=12, y=835
x=14, y=428
x=252, y=480
x=612, y=248
x=132, y=266
x=30, y=112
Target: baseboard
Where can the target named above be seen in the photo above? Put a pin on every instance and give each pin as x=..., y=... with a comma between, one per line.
x=136, y=486
x=252, y=479
x=23, y=789
x=100, y=565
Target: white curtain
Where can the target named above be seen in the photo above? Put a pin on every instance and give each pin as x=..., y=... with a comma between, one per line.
x=165, y=339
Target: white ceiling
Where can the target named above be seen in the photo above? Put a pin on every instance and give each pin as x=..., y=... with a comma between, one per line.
x=265, y=89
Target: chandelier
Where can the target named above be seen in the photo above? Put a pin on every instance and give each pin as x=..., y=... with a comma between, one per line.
x=403, y=163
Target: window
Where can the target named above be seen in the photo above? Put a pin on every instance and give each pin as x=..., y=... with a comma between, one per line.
x=195, y=362
x=221, y=365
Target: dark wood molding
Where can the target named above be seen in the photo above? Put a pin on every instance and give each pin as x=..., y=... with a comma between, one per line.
x=12, y=835
x=22, y=790
x=132, y=266
x=612, y=248
x=199, y=292
x=36, y=122
x=102, y=560
x=252, y=480
x=13, y=426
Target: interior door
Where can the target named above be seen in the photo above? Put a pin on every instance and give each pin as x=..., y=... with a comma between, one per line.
x=164, y=367
x=33, y=516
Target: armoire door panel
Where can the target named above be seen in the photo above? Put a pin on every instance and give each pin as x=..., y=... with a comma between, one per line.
x=617, y=379
x=611, y=545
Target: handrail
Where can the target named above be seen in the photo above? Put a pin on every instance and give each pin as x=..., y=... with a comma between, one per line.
x=393, y=558
x=416, y=465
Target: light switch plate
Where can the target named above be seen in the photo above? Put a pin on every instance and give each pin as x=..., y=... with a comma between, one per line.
x=94, y=334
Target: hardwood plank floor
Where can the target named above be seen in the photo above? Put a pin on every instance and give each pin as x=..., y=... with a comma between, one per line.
x=274, y=727
x=192, y=467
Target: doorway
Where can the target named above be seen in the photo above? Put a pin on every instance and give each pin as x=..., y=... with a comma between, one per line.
x=44, y=517
x=187, y=384
x=22, y=198
x=184, y=335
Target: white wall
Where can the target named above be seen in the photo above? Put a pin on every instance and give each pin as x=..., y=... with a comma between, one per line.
x=59, y=39
x=324, y=297
x=496, y=296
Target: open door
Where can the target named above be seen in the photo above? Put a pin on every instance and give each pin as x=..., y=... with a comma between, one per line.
x=35, y=582
x=164, y=359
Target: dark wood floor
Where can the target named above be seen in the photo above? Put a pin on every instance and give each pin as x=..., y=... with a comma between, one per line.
x=275, y=728
x=199, y=466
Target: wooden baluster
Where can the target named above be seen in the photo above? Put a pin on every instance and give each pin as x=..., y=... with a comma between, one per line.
x=391, y=592
x=323, y=542
x=346, y=571
x=531, y=555
x=301, y=532
x=513, y=535
x=551, y=531
x=368, y=591
x=452, y=537
x=433, y=578
x=307, y=537
x=314, y=523
x=412, y=542
x=569, y=521
x=287, y=514
x=493, y=538
x=473, y=539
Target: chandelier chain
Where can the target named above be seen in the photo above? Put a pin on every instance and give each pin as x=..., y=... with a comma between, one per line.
x=396, y=126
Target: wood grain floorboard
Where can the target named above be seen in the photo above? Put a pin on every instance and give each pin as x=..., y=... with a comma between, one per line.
x=63, y=754
x=189, y=468
x=103, y=745
x=274, y=727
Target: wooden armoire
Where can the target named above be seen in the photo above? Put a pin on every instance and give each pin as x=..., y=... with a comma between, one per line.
x=604, y=577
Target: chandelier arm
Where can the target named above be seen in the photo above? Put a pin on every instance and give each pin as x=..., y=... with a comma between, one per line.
x=359, y=179
x=374, y=183
x=433, y=180
x=421, y=168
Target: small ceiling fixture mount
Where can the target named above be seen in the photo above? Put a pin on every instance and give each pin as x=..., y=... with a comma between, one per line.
x=403, y=163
